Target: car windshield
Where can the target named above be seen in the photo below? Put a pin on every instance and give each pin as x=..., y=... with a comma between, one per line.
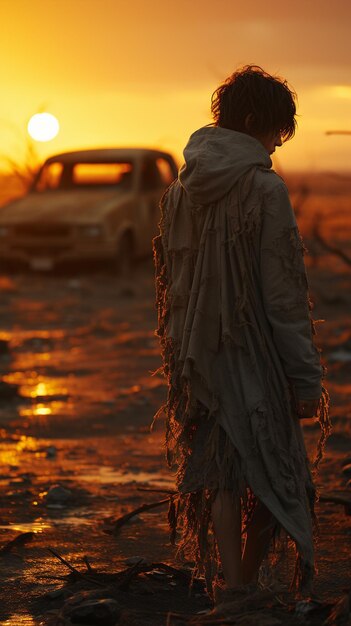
x=58, y=175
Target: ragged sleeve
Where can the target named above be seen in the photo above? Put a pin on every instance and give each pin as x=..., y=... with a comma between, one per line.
x=285, y=294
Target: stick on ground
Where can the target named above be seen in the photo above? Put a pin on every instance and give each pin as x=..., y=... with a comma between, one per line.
x=128, y=516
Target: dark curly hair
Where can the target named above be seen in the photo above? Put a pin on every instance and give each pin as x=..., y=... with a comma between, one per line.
x=250, y=90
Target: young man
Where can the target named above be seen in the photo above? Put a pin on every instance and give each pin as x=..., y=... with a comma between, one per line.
x=236, y=338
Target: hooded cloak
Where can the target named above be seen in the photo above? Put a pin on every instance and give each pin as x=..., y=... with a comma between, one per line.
x=237, y=340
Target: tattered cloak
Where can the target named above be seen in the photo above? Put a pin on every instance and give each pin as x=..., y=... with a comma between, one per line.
x=236, y=334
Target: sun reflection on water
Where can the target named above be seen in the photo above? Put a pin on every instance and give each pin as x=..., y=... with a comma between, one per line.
x=9, y=453
x=42, y=410
x=22, y=619
x=36, y=411
x=36, y=526
x=41, y=389
x=26, y=443
x=32, y=385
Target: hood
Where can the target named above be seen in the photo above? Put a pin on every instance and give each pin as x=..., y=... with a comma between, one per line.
x=215, y=159
x=78, y=206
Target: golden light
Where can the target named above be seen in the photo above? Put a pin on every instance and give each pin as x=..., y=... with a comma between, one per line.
x=43, y=127
x=341, y=91
x=38, y=411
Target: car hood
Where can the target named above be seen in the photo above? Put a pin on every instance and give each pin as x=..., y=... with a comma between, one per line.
x=78, y=206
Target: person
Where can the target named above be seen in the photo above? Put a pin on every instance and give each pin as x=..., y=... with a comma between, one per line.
x=236, y=337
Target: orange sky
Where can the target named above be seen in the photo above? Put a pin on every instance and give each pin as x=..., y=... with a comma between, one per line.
x=142, y=72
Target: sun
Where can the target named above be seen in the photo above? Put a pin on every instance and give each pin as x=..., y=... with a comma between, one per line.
x=43, y=127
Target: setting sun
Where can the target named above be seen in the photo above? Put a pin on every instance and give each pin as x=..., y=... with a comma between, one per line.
x=43, y=127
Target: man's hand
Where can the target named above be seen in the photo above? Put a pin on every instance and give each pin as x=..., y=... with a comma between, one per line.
x=307, y=408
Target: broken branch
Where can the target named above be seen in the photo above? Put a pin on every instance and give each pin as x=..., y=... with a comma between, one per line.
x=128, y=516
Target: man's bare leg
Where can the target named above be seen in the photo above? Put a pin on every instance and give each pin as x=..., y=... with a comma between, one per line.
x=226, y=517
x=259, y=534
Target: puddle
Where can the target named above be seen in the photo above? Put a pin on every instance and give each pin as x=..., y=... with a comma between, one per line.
x=108, y=475
x=60, y=517
x=37, y=526
x=21, y=620
x=81, y=516
x=44, y=409
x=32, y=385
x=10, y=454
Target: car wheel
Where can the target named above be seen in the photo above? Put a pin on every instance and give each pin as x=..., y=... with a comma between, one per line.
x=125, y=255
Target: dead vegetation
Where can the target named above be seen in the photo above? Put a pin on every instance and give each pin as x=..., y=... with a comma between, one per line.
x=115, y=603
x=19, y=173
x=325, y=245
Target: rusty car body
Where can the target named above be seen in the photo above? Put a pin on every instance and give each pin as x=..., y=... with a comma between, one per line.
x=100, y=204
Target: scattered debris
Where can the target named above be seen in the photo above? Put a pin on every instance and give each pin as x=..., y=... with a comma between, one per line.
x=103, y=605
x=122, y=579
x=140, y=560
x=58, y=495
x=51, y=452
x=105, y=612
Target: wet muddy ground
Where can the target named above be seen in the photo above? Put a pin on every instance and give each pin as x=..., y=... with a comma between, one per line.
x=79, y=350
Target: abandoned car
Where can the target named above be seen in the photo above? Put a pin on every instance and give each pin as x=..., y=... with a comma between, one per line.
x=100, y=204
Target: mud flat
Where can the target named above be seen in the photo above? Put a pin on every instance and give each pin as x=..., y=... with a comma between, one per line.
x=77, y=399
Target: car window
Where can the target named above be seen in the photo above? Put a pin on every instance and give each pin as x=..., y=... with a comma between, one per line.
x=49, y=177
x=165, y=170
x=95, y=174
x=58, y=175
